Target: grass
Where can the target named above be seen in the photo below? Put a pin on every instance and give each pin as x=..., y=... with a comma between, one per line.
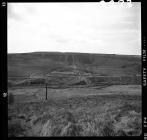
x=10, y=98
x=48, y=62
x=90, y=115
x=15, y=128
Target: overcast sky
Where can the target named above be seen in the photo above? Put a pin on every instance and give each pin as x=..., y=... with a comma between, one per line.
x=74, y=27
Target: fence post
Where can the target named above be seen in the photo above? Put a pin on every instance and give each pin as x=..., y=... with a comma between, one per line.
x=46, y=90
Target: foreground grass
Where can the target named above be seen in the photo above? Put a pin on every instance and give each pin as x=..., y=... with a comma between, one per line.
x=94, y=115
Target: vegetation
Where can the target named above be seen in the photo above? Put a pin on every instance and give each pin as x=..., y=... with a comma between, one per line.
x=91, y=115
x=10, y=98
x=98, y=109
x=44, y=63
x=15, y=128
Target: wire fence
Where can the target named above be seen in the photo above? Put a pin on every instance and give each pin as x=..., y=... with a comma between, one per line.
x=61, y=82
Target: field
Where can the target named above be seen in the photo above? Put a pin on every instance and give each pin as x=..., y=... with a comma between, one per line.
x=90, y=111
x=88, y=94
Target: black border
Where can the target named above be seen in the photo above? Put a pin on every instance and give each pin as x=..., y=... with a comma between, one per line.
x=144, y=66
x=3, y=59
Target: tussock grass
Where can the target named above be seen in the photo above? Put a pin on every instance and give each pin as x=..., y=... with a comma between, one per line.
x=111, y=115
x=46, y=129
x=71, y=129
x=15, y=128
x=43, y=118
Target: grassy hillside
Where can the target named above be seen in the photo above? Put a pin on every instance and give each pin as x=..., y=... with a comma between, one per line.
x=112, y=111
x=77, y=105
x=45, y=62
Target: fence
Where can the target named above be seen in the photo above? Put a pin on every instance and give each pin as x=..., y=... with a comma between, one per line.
x=70, y=81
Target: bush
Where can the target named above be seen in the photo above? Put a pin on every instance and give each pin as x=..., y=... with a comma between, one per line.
x=10, y=98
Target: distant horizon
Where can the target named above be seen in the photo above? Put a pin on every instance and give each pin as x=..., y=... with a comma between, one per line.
x=70, y=52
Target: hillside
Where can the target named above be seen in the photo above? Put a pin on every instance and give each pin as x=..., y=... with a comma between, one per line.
x=23, y=64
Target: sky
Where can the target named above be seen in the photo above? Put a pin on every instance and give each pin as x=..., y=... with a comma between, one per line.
x=74, y=27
